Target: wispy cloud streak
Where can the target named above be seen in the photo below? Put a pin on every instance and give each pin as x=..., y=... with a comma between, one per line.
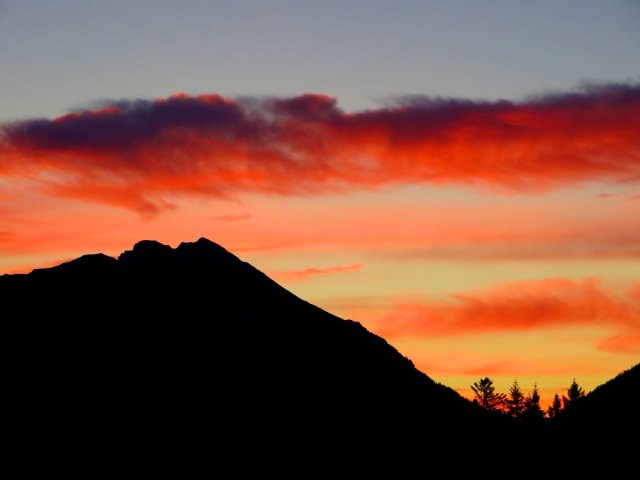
x=520, y=307
x=304, y=274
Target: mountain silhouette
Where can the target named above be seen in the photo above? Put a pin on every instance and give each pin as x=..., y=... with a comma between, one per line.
x=601, y=428
x=187, y=343
x=190, y=352
x=608, y=410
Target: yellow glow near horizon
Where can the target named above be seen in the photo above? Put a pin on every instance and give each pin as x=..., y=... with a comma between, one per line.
x=495, y=239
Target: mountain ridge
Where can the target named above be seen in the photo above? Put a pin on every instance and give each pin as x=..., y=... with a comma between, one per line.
x=199, y=309
x=171, y=342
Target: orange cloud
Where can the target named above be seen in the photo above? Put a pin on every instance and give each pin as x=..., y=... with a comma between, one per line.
x=231, y=217
x=522, y=306
x=576, y=247
x=298, y=275
x=5, y=236
x=142, y=154
x=628, y=343
x=472, y=229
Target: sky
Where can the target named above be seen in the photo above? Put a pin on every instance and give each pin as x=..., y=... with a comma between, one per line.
x=461, y=177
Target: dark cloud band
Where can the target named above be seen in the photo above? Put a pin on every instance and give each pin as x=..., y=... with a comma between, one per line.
x=139, y=154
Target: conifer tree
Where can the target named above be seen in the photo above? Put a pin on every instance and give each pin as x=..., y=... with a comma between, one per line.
x=574, y=394
x=555, y=408
x=486, y=396
x=532, y=411
x=515, y=401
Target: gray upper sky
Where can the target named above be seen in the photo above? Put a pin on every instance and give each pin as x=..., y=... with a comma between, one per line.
x=64, y=54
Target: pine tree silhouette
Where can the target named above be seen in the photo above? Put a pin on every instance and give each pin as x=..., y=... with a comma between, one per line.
x=486, y=396
x=574, y=394
x=515, y=401
x=555, y=408
x=533, y=412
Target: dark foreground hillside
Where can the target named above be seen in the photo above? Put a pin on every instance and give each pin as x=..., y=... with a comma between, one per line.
x=610, y=410
x=190, y=351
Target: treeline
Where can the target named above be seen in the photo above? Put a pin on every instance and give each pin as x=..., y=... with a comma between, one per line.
x=520, y=406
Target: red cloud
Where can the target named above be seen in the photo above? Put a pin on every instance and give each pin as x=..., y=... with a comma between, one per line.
x=297, y=275
x=140, y=154
x=523, y=306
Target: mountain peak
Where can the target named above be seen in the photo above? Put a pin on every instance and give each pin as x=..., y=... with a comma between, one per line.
x=145, y=249
x=203, y=244
x=206, y=241
x=150, y=246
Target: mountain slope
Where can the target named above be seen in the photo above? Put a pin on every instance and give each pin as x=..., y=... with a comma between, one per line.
x=609, y=409
x=169, y=343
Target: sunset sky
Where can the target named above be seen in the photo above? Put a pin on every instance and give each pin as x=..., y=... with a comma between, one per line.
x=461, y=177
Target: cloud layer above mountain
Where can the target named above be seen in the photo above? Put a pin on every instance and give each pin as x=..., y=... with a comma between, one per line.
x=142, y=154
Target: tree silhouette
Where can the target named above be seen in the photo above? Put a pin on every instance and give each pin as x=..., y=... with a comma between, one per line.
x=515, y=401
x=486, y=396
x=555, y=408
x=574, y=394
x=532, y=411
